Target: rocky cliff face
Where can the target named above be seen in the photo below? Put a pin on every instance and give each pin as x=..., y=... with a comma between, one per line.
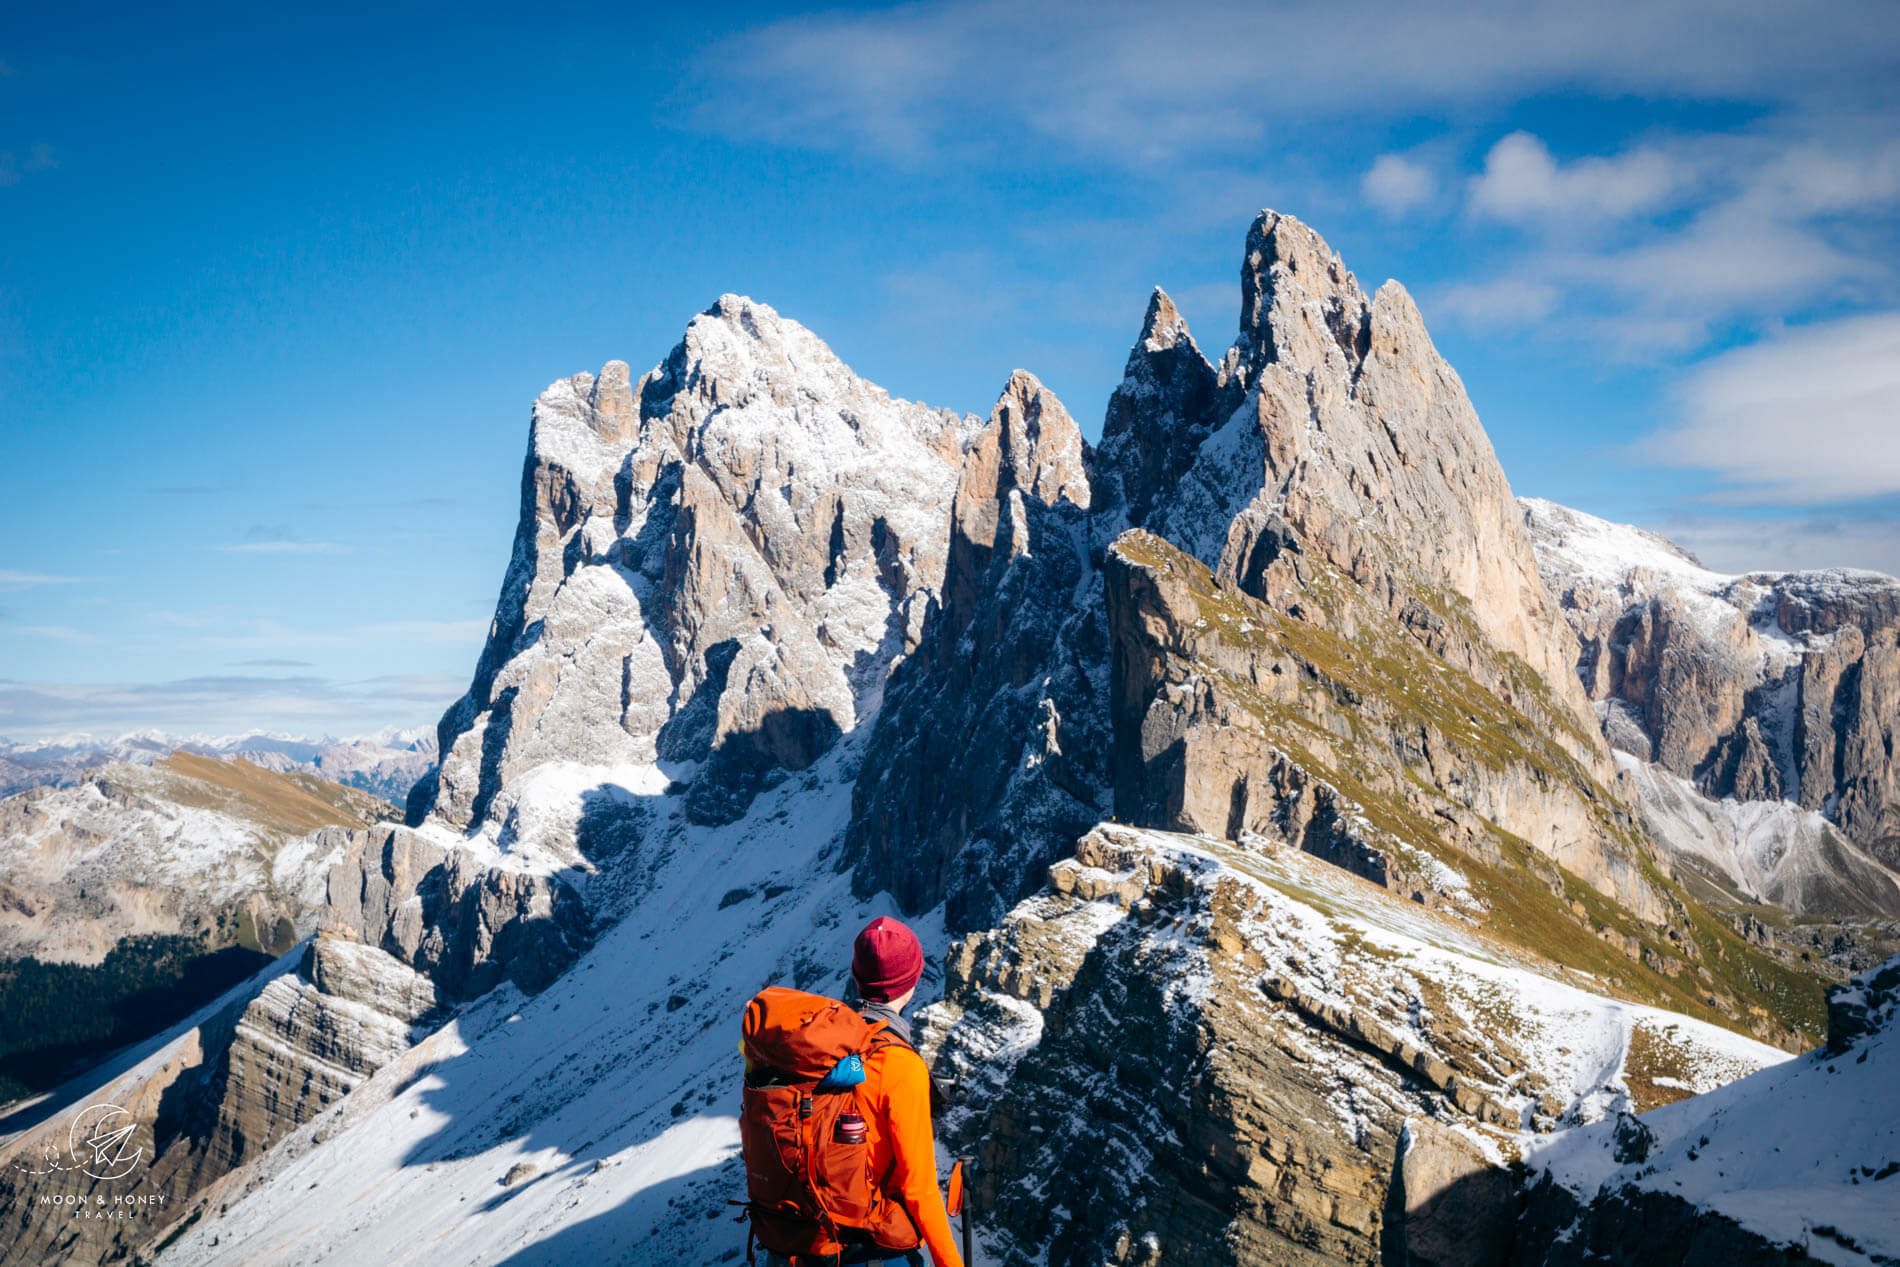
x=1762, y=687
x=1315, y=718
x=1333, y=421
x=715, y=567
x=1332, y=433
x=990, y=749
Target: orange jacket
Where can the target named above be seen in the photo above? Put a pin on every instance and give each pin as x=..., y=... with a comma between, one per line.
x=896, y=1091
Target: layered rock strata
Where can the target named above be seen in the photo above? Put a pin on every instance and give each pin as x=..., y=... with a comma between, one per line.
x=207, y=1101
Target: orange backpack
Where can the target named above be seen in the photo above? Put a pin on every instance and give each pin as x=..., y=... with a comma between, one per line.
x=809, y=1186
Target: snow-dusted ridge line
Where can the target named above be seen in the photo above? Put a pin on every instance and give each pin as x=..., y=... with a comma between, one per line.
x=1569, y=1031
x=132, y=1063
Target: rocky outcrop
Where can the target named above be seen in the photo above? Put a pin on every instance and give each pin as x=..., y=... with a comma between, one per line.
x=1334, y=422
x=1184, y=1052
x=1860, y=1009
x=1308, y=444
x=465, y=925
x=1767, y=686
x=1317, y=720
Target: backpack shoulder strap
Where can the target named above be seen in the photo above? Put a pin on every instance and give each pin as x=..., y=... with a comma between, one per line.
x=882, y=1036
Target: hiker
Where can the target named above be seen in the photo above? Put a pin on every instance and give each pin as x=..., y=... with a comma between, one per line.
x=841, y=1164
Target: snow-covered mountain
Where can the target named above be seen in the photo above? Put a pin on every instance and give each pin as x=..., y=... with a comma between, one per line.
x=1754, y=719
x=1236, y=774
x=387, y=763
x=176, y=846
x=1766, y=686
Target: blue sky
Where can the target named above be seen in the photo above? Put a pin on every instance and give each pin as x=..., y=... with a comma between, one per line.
x=277, y=289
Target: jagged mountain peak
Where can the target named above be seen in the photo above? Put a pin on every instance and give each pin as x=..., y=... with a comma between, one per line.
x=1168, y=401
x=1299, y=304
x=1036, y=441
x=715, y=566
x=1163, y=326
x=1333, y=425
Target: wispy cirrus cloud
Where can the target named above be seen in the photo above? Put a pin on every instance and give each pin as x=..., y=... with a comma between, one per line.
x=1147, y=84
x=24, y=579
x=451, y=631
x=1735, y=542
x=1652, y=251
x=58, y=633
x=224, y=703
x=266, y=635
x=284, y=547
x=1809, y=415
x=279, y=538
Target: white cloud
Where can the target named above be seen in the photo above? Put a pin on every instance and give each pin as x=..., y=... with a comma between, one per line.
x=57, y=633
x=1395, y=184
x=284, y=547
x=1522, y=183
x=272, y=635
x=452, y=631
x=34, y=578
x=1748, y=228
x=1508, y=301
x=1811, y=415
x=1149, y=83
x=224, y=704
x=1783, y=543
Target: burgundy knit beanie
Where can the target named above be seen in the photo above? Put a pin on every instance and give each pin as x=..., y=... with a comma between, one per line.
x=886, y=960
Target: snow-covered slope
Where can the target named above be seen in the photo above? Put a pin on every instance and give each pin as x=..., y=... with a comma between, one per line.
x=178, y=846
x=1762, y=851
x=615, y=1088
x=1805, y=1154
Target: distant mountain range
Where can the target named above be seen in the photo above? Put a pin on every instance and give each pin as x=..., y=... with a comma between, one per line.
x=387, y=763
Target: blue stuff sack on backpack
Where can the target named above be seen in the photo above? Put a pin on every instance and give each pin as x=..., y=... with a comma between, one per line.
x=848, y=1072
